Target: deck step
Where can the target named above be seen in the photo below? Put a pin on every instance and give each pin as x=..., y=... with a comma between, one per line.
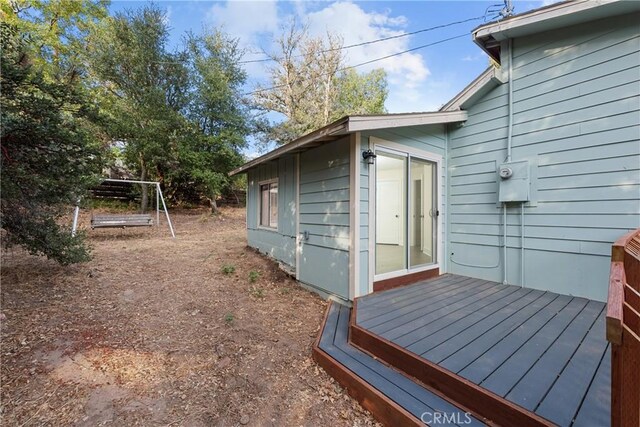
x=483, y=403
x=392, y=397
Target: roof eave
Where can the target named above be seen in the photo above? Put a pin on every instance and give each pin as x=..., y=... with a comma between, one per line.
x=490, y=78
x=339, y=127
x=352, y=124
x=557, y=15
x=366, y=123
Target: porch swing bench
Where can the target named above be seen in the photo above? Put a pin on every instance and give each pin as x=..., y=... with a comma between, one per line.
x=127, y=220
x=121, y=221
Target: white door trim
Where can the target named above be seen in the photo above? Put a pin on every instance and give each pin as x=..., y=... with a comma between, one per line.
x=298, y=241
x=354, y=215
x=371, y=223
x=384, y=145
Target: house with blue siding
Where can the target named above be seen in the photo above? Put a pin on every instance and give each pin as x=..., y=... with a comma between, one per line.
x=525, y=178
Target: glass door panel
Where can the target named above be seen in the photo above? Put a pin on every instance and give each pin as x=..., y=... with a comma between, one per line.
x=422, y=213
x=391, y=212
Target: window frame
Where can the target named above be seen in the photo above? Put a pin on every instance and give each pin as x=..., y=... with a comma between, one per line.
x=268, y=182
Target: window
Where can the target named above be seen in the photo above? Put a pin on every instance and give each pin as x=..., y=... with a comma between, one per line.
x=269, y=205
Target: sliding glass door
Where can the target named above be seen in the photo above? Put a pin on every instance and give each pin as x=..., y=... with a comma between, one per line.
x=391, y=212
x=422, y=212
x=406, y=212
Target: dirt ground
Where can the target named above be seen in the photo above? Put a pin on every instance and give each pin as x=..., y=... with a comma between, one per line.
x=156, y=331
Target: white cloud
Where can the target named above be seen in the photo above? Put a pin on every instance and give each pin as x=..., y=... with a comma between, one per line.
x=167, y=15
x=357, y=26
x=549, y=2
x=246, y=21
x=257, y=23
x=472, y=58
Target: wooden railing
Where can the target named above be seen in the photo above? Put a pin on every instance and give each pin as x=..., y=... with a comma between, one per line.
x=623, y=330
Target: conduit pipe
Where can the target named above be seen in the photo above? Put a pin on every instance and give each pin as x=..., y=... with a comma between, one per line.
x=509, y=158
x=510, y=100
x=522, y=245
x=509, y=136
x=504, y=242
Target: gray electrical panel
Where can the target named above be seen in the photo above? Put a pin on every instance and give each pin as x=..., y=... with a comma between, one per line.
x=514, y=182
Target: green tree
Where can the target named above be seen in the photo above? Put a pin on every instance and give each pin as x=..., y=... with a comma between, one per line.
x=180, y=114
x=311, y=86
x=140, y=89
x=49, y=155
x=220, y=119
x=360, y=93
x=56, y=32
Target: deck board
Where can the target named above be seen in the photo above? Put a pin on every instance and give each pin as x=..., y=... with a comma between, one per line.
x=560, y=406
x=457, y=352
x=408, y=394
x=403, y=291
x=390, y=309
x=507, y=375
x=543, y=351
x=596, y=405
x=459, y=321
x=532, y=388
x=408, y=322
x=396, y=296
x=483, y=366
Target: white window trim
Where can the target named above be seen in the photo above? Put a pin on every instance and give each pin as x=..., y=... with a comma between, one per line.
x=377, y=143
x=259, y=210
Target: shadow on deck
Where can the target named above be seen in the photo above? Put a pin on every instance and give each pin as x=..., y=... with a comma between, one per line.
x=505, y=354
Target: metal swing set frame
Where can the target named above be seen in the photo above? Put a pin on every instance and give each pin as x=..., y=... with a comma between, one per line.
x=123, y=221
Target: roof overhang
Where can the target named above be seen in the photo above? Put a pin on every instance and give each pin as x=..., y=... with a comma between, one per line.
x=350, y=124
x=328, y=133
x=385, y=121
x=558, y=15
x=480, y=86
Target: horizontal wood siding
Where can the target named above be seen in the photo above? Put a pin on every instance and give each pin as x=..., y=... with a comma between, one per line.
x=280, y=243
x=576, y=120
x=324, y=214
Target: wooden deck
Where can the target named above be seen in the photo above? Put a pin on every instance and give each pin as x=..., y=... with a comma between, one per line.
x=393, y=398
x=541, y=352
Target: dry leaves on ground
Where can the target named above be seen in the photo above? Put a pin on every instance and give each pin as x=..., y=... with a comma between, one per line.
x=153, y=332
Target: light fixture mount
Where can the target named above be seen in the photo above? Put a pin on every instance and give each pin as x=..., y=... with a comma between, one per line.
x=369, y=156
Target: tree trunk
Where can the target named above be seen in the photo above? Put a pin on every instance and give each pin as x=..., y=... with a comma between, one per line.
x=144, y=203
x=327, y=99
x=213, y=204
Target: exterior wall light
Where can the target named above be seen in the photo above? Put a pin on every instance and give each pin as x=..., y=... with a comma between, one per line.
x=369, y=157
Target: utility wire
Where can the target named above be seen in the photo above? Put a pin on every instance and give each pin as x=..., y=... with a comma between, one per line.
x=424, y=30
x=366, y=62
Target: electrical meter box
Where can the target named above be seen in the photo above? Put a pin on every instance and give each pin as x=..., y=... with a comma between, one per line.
x=514, y=182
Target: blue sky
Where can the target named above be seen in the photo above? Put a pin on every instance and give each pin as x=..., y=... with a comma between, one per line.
x=421, y=80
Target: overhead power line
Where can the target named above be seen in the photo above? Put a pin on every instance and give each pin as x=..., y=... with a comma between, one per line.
x=368, y=62
x=384, y=39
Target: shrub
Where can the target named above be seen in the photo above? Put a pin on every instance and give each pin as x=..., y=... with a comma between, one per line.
x=253, y=276
x=228, y=269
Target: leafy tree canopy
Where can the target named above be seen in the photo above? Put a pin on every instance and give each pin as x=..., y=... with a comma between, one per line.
x=49, y=154
x=54, y=32
x=180, y=114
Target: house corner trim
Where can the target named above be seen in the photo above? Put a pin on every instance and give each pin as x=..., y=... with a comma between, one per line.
x=354, y=215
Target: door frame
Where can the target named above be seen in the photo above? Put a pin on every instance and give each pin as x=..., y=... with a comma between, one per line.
x=403, y=150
